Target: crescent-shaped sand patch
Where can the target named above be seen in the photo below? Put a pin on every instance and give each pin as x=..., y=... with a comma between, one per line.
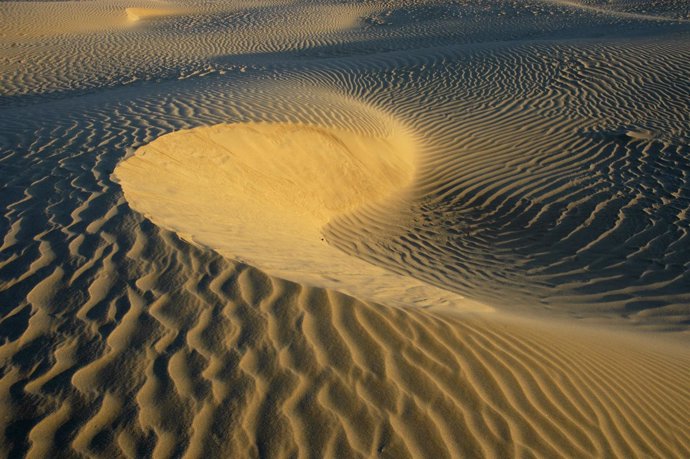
x=262, y=192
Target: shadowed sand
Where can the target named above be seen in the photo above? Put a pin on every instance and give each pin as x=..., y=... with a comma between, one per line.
x=32, y=20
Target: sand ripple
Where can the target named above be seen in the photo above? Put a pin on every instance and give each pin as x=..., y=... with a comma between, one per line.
x=551, y=177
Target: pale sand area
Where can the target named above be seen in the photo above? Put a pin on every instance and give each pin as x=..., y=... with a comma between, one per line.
x=365, y=229
x=262, y=194
x=27, y=21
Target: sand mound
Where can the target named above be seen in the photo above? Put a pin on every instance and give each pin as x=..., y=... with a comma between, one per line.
x=138, y=14
x=301, y=175
x=262, y=193
x=341, y=376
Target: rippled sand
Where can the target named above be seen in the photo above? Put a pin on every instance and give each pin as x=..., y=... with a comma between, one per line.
x=345, y=229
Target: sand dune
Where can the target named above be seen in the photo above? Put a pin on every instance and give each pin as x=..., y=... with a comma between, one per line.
x=139, y=14
x=345, y=229
x=36, y=20
x=262, y=193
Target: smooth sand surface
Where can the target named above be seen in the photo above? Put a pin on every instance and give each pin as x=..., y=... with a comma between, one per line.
x=29, y=21
x=262, y=194
x=345, y=229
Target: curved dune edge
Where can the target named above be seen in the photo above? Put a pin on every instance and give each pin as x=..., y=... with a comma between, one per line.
x=262, y=192
x=397, y=381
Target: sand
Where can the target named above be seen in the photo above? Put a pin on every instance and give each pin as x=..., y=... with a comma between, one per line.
x=345, y=229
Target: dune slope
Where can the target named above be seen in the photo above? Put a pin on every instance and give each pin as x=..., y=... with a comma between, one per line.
x=234, y=361
x=501, y=188
x=262, y=193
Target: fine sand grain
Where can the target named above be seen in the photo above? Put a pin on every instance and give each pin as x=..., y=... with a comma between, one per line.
x=345, y=229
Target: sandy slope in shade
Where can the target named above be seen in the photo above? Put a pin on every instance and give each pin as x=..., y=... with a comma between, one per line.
x=631, y=9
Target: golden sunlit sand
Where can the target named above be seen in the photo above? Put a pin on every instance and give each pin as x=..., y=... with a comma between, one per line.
x=138, y=14
x=345, y=229
x=262, y=193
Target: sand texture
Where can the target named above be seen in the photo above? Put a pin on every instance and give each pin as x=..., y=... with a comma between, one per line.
x=345, y=229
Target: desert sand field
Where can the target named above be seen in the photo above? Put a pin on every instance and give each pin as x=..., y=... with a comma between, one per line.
x=342, y=228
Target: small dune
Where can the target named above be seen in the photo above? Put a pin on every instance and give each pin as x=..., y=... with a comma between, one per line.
x=138, y=14
x=263, y=192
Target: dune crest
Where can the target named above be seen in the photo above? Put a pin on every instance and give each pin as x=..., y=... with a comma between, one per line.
x=261, y=193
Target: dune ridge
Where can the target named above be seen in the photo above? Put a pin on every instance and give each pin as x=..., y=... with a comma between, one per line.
x=263, y=192
x=490, y=179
